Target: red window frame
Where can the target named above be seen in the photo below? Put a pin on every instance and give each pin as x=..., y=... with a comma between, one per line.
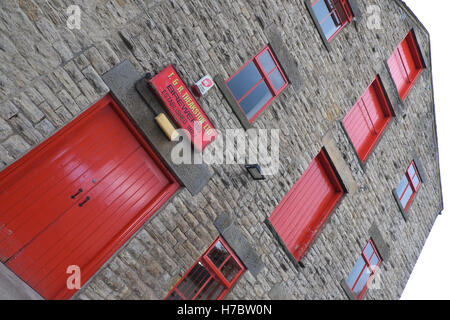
x=410, y=78
x=411, y=185
x=375, y=132
x=373, y=269
x=344, y=18
x=214, y=273
x=264, y=77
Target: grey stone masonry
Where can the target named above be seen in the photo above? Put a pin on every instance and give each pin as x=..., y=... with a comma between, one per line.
x=49, y=74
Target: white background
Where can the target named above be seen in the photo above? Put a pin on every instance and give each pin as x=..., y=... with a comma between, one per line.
x=430, y=279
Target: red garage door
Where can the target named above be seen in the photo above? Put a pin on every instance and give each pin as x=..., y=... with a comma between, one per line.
x=76, y=198
x=302, y=212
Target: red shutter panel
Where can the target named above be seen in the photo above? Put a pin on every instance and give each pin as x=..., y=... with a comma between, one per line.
x=405, y=65
x=397, y=71
x=302, y=212
x=367, y=119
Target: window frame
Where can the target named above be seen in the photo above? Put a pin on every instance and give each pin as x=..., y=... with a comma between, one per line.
x=264, y=78
x=345, y=7
x=413, y=46
x=367, y=264
x=214, y=272
x=411, y=185
x=385, y=109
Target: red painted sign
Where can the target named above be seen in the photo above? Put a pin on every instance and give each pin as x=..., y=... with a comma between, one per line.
x=183, y=107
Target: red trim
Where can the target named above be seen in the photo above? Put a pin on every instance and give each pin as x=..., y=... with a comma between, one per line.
x=265, y=78
x=213, y=270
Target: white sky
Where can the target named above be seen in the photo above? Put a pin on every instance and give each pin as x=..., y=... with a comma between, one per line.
x=430, y=279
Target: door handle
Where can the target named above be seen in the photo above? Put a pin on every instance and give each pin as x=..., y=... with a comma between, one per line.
x=75, y=195
x=86, y=200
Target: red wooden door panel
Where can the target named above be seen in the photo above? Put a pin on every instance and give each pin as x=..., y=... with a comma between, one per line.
x=367, y=119
x=40, y=202
x=302, y=212
x=101, y=153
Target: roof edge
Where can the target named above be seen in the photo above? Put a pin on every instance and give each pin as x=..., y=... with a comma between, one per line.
x=418, y=23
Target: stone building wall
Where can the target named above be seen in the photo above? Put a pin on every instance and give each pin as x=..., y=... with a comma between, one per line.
x=50, y=74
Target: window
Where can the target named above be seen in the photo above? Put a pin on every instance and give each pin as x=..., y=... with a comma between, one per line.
x=257, y=83
x=405, y=65
x=364, y=270
x=303, y=211
x=332, y=15
x=211, y=277
x=409, y=186
x=367, y=119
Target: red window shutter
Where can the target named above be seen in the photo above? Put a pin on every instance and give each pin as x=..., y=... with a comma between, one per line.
x=405, y=65
x=302, y=212
x=367, y=119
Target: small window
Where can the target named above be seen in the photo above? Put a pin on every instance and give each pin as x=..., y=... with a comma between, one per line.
x=364, y=270
x=332, y=15
x=256, y=85
x=408, y=187
x=405, y=65
x=211, y=277
x=367, y=120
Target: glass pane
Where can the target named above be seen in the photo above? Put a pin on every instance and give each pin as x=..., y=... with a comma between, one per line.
x=277, y=80
x=174, y=296
x=374, y=261
x=329, y=21
x=416, y=182
x=321, y=10
x=211, y=291
x=411, y=171
x=266, y=61
x=360, y=264
x=330, y=26
x=218, y=254
x=406, y=196
x=402, y=186
x=368, y=250
x=230, y=269
x=192, y=283
x=244, y=80
x=256, y=100
x=362, y=281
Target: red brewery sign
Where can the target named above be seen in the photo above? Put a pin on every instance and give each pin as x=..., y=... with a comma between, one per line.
x=183, y=107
